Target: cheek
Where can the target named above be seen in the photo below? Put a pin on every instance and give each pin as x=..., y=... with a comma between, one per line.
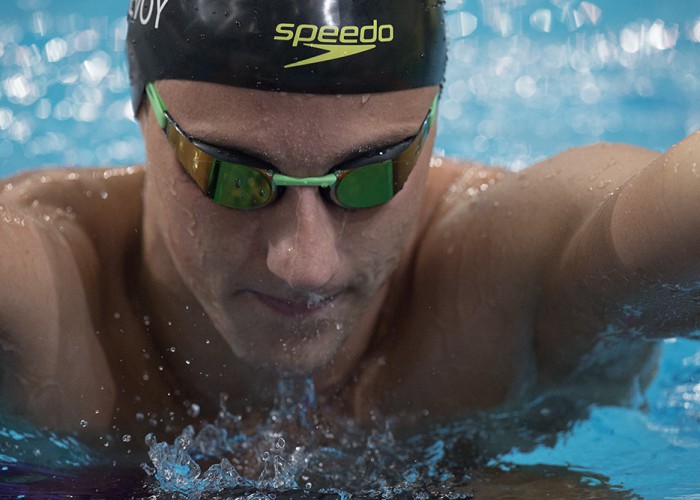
x=201, y=238
x=378, y=240
x=399, y=218
x=210, y=243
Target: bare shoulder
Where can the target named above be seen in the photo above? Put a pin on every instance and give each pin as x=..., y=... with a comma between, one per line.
x=60, y=231
x=588, y=172
x=557, y=191
x=64, y=219
x=490, y=240
x=502, y=229
x=83, y=193
x=450, y=178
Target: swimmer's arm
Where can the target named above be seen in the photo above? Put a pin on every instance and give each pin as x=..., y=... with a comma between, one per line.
x=26, y=298
x=632, y=268
x=47, y=347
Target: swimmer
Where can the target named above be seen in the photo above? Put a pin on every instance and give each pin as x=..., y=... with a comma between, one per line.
x=292, y=222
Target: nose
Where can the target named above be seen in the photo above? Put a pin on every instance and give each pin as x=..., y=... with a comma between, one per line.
x=302, y=249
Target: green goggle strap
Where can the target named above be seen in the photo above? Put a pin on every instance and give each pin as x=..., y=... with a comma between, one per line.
x=157, y=104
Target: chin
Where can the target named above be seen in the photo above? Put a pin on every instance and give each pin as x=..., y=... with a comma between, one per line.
x=295, y=361
x=290, y=350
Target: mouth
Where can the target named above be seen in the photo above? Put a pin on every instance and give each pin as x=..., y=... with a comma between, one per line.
x=298, y=306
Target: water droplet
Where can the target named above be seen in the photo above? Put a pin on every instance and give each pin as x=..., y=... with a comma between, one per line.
x=126, y=438
x=194, y=410
x=104, y=195
x=280, y=443
x=151, y=440
x=83, y=423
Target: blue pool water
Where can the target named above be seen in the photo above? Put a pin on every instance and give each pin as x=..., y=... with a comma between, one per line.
x=527, y=79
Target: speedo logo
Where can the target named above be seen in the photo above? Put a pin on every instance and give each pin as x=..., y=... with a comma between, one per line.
x=336, y=42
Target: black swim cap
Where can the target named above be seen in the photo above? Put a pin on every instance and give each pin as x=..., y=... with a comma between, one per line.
x=314, y=46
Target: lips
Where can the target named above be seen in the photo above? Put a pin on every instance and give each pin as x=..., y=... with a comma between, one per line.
x=298, y=306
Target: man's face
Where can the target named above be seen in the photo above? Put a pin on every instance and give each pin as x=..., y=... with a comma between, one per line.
x=297, y=284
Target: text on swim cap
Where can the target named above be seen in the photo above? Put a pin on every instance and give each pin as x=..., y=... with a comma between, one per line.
x=143, y=11
x=334, y=34
x=336, y=41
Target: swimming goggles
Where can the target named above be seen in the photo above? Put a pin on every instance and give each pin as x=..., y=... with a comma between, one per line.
x=237, y=180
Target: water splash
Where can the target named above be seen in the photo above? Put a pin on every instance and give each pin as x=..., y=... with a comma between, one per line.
x=278, y=466
x=297, y=451
x=302, y=450
x=177, y=472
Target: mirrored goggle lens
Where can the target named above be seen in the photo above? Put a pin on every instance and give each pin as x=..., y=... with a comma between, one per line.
x=366, y=186
x=240, y=186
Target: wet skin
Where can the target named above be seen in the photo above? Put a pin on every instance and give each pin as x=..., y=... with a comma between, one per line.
x=127, y=293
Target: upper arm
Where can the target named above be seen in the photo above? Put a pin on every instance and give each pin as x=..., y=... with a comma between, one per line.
x=629, y=269
x=24, y=270
x=28, y=300
x=527, y=261
x=49, y=352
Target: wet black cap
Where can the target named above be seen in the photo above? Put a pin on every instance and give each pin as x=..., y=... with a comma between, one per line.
x=314, y=46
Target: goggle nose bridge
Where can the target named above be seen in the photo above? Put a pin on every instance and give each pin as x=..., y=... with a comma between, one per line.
x=323, y=181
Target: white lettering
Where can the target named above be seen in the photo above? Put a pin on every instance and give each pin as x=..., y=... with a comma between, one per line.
x=137, y=11
x=161, y=6
x=143, y=20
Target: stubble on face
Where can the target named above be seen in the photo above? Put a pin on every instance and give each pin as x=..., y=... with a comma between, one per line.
x=221, y=255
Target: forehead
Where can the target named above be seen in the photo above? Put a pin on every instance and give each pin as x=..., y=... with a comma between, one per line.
x=294, y=127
